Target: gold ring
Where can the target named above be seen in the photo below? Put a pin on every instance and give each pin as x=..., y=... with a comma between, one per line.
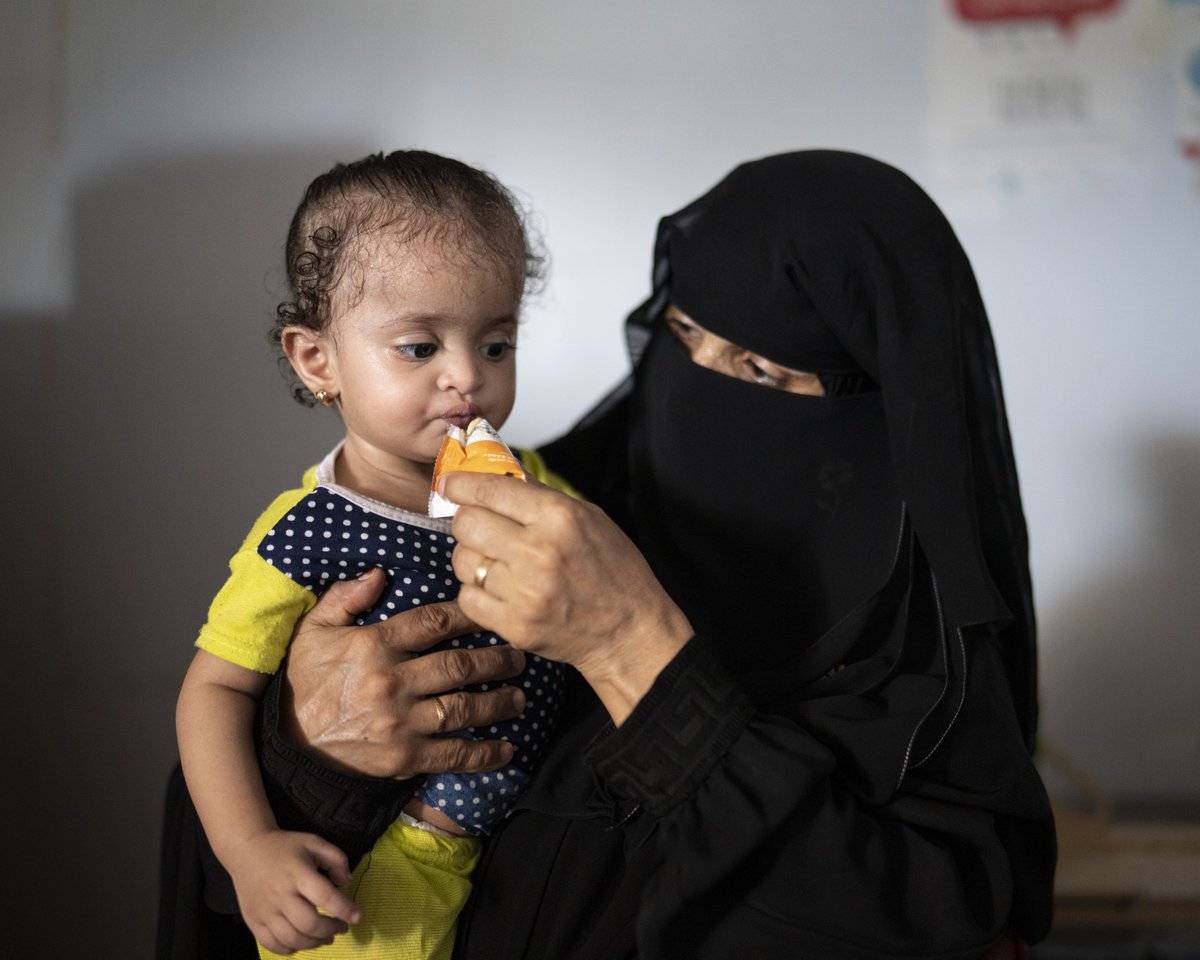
x=441, y=712
x=481, y=572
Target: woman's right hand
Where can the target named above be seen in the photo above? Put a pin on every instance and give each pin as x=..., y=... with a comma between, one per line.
x=359, y=698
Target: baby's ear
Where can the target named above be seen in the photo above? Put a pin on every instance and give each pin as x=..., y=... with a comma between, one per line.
x=312, y=357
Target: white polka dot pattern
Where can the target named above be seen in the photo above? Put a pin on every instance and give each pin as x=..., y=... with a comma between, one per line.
x=324, y=538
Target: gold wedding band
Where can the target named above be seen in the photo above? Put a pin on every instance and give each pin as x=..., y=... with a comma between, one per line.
x=441, y=712
x=481, y=572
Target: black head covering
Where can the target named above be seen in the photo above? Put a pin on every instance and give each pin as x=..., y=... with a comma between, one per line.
x=831, y=550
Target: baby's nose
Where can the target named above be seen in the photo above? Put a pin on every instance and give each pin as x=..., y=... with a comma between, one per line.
x=461, y=372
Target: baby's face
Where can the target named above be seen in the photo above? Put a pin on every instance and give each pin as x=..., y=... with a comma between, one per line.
x=422, y=338
x=716, y=353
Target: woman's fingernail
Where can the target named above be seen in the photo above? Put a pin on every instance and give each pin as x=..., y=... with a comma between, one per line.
x=439, y=486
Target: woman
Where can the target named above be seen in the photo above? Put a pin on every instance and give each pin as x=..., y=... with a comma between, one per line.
x=807, y=732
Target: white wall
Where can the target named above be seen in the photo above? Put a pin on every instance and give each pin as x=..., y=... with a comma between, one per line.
x=152, y=153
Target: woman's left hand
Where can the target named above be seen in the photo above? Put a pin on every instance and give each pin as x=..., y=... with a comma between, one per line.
x=557, y=577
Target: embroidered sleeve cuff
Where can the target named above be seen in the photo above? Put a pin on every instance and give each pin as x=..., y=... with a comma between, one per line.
x=675, y=735
x=349, y=811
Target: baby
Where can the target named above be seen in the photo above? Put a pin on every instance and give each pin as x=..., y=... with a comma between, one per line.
x=407, y=273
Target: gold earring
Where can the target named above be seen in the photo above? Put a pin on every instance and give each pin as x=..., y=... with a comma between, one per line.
x=324, y=398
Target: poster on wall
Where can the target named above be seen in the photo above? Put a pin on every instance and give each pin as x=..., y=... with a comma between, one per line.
x=1185, y=67
x=1028, y=95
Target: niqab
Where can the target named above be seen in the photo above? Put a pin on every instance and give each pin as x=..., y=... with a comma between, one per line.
x=830, y=550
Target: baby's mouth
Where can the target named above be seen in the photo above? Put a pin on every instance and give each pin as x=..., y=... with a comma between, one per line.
x=460, y=420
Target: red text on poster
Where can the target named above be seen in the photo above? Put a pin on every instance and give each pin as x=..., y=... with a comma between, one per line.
x=1063, y=12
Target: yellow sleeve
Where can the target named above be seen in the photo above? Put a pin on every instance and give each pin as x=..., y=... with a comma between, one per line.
x=536, y=467
x=251, y=619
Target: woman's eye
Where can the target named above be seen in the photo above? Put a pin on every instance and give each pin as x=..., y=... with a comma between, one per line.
x=684, y=331
x=417, y=351
x=760, y=374
x=497, y=350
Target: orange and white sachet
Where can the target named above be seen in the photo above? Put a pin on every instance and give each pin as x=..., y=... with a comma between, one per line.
x=478, y=449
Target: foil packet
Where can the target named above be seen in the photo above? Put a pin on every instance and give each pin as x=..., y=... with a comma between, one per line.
x=477, y=449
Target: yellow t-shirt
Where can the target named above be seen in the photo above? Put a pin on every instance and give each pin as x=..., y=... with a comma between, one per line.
x=251, y=619
x=412, y=883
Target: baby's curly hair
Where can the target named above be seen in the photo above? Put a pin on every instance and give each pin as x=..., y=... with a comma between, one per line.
x=412, y=193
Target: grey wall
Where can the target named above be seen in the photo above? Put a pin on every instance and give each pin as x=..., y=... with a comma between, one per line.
x=150, y=158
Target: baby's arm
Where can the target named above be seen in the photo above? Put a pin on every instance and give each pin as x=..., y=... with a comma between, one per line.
x=277, y=873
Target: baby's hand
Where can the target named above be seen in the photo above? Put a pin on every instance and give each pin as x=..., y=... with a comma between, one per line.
x=280, y=886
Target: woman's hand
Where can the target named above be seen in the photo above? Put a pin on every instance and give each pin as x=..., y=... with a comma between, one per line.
x=359, y=697
x=564, y=582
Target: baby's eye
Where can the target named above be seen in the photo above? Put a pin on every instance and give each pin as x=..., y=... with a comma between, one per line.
x=497, y=350
x=417, y=351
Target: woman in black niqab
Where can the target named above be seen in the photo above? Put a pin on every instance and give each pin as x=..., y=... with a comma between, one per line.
x=837, y=264
x=856, y=563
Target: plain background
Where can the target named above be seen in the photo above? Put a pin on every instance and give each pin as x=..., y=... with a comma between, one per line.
x=151, y=155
